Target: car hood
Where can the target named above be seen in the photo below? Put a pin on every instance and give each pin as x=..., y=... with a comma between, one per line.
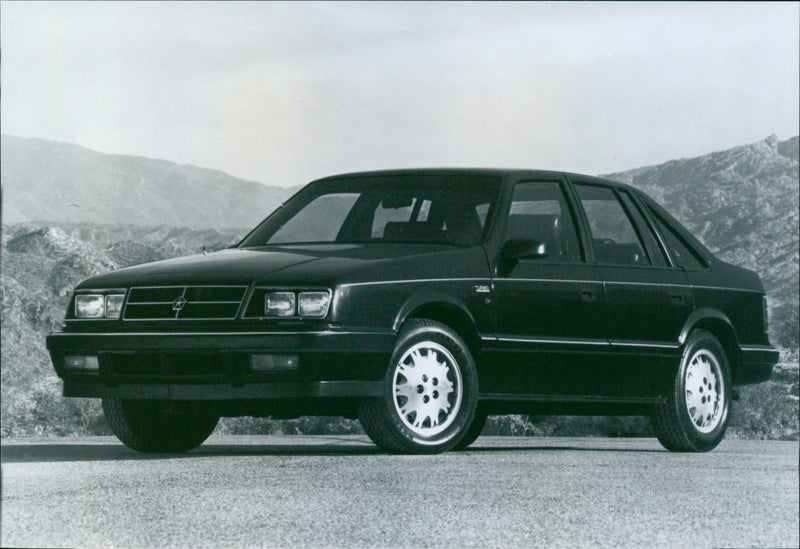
x=310, y=264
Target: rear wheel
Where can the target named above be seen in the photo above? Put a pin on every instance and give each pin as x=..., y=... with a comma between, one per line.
x=430, y=392
x=158, y=427
x=694, y=417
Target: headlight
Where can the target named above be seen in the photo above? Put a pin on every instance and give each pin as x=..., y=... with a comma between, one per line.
x=313, y=304
x=114, y=305
x=292, y=304
x=99, y=305
x=90, y=306
x=279, y=304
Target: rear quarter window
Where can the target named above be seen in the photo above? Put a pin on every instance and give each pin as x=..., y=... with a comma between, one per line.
x=682, y=253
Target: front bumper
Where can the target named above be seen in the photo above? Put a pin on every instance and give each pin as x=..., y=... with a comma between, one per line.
x=217, y=365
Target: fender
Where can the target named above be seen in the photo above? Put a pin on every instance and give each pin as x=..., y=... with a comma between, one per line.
x=421, y=299
x=701, y=314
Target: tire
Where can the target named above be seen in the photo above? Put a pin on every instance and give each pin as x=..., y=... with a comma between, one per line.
x=694, y=416
x=430, y=392
x=158, y=427
x=474, y=430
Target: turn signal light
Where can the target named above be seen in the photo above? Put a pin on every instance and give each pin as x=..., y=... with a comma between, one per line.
x=88, y=363
x=266, y=363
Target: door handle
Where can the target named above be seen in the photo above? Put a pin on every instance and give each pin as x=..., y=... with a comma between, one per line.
x=677, y=299
x=588, y=296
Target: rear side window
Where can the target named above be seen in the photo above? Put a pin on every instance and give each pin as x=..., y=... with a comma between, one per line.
x=614, y=238
x=683, y=255
x=540, y=212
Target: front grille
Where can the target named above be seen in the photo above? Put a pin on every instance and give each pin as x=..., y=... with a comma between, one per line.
x=184, y=302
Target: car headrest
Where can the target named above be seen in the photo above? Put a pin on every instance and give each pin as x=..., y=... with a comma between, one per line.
x=544, y=228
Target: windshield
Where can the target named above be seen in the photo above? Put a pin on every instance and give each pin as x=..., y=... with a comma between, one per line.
x=430, y=209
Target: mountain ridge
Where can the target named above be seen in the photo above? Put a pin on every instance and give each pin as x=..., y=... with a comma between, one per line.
x=53, y=181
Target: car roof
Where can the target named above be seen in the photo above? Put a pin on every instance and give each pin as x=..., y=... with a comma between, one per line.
x=512, y=173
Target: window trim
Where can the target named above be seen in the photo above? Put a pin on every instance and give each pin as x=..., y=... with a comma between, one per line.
x=649, y=217
x=651, y=227
x=705, y=264
x=566, y=194
x=587, y=226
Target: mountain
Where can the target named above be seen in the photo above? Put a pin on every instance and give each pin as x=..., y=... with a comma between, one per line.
x=58, y=182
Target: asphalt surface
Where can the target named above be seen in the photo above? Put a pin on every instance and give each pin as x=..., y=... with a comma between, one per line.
x=292, y=491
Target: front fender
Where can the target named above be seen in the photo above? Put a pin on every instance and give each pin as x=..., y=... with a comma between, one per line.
x=431, y=301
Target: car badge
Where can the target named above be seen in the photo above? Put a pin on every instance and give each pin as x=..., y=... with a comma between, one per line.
x=179, y=304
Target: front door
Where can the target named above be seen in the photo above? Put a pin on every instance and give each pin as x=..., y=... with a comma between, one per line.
x=550, y=309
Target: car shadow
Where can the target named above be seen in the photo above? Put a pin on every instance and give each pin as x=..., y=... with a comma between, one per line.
x=330, y=446
x=487, y=449
x=25, y=453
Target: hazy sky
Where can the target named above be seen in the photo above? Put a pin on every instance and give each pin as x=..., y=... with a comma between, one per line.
x=284, y=92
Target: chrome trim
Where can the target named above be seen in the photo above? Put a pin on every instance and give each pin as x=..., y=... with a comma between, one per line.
x=587, y=281
x=415, y=281
x=626, y=283
x=177, y=312
x=720, y=288
x=660, y=284
x=644, y=344
x=560, y=280
x=564, y=280
x=758, y=348
x=101, y=291
x=596, y=342
x=164, y=333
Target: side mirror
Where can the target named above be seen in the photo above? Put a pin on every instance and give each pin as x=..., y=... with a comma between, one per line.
x=523, y=248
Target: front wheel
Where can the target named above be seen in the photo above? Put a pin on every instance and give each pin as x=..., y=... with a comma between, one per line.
x=158, y=427
x=695, y=415
x=430, y=392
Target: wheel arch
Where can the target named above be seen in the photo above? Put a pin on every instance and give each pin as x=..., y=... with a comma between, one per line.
x=448, y=311
x=717, y=323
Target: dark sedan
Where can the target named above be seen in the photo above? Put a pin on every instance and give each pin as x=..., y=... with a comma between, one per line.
x=422, y=301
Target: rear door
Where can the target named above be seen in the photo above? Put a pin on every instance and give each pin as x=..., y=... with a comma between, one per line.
x=647, y=299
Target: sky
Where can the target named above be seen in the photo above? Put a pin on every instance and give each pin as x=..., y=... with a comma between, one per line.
x=282, y=93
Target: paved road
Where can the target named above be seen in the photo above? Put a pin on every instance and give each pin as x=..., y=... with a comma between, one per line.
x=339, y=491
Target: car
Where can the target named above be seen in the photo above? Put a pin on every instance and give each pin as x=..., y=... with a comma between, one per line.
x=421, y=302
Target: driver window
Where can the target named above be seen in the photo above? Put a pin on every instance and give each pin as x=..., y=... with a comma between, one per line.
x=540, y=212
